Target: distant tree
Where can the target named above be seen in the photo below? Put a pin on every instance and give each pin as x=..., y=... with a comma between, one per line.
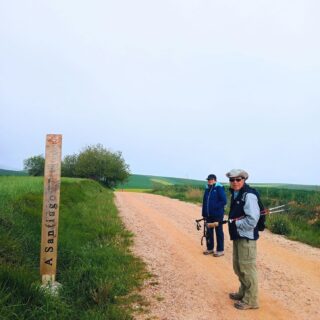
x=93, y=162
x=68, y=166
x=34, y=165
x=96, y=162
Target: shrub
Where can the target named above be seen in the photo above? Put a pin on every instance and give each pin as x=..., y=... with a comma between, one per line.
x=194, y=195
x=279, y=224
x=100, y=164
x=68, y=166
x=94, y=162
x=34, y=165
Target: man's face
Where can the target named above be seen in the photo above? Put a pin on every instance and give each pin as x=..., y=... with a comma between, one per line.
x=211, y=182
x=236, y=183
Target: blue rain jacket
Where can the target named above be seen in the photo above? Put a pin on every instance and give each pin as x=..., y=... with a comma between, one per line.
x=214, y=200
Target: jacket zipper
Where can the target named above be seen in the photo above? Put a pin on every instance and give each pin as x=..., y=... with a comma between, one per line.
x=208, y=201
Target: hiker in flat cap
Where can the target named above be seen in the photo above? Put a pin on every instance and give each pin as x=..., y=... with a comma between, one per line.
x=243, y=230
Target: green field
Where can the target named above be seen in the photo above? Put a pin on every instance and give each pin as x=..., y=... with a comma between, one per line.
x=137, y=181
x=4, y=172
x=287, y=186
x=147, y=182
x=99, y=275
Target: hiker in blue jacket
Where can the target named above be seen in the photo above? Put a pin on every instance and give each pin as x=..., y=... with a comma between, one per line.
x=214, y=200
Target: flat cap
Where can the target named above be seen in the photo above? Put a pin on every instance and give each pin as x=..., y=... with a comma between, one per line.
x=237, y=173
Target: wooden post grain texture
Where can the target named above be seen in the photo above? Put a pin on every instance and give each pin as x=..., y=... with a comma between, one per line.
x=50, y=212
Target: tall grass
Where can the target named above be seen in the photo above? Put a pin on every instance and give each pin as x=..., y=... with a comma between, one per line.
x=302, y=221
x=182, y=192
x=95, y=266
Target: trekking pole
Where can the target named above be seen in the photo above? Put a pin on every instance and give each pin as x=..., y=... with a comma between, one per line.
x=198, y=226
x=282, y=208
x=275, y=209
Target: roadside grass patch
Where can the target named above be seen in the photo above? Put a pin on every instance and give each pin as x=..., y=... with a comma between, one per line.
x=194, y=195
x=181, y=192
x=279, y=224
x=97, y=271
x=134, y=190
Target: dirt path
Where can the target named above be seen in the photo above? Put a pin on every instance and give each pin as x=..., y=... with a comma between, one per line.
x=191, y=286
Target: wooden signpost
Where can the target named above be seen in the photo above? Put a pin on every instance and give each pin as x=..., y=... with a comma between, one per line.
x=50, y=212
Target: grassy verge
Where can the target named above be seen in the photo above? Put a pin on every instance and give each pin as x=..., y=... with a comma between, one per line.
x=301, y=223
x=134, y=190
x=183, y=193
x=95, y=267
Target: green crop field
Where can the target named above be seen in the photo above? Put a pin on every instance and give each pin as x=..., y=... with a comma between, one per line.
x=137, y=181
x=288, y=186
x=99, y=275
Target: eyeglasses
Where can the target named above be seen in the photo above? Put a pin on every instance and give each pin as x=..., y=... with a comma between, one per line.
x=235, y=179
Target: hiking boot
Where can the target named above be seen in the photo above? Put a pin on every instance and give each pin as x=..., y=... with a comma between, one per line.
x=218, y=253
x=235, y=296
x=207, y=252
x=244, y=306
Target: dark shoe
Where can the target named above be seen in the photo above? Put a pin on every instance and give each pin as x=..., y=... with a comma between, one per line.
x=207, y=252
x=244, y=306
x=218, y=254
x=235, y=296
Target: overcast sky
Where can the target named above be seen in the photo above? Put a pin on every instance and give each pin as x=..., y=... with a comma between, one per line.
x=181, y=88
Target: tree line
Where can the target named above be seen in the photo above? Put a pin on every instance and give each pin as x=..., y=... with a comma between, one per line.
x=93, y=162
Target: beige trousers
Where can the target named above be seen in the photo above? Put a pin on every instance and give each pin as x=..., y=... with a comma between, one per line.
x=244, y=266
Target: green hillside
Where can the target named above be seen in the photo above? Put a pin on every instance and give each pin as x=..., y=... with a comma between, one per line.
x=99, y=275
x=137, y=181
x=287, y=186
x=4, y=172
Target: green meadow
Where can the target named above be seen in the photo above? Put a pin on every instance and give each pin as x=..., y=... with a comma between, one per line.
x=137, y=181
x=99, y=275
x=12, y=173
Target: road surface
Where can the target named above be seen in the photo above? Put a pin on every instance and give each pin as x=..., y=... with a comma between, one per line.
x=190, y=286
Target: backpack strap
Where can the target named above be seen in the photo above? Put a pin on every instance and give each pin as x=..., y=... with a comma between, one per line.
x=244, y=195
x=255, y=192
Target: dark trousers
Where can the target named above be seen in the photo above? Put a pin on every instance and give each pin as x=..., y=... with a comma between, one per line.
x=219, y=236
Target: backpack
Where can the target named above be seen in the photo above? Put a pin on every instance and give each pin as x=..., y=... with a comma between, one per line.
x=262, y=219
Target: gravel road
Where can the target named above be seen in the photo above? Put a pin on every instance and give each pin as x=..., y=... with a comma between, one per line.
x=190, y=286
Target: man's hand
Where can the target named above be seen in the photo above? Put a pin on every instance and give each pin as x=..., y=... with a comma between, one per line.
x=212, y=224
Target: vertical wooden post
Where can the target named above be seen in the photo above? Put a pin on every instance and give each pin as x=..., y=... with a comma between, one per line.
x=50, y=211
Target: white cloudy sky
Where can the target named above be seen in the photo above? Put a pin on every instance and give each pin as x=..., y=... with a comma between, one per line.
x=182, y=87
